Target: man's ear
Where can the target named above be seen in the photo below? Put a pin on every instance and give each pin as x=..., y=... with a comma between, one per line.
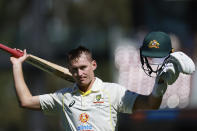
x=94, y=65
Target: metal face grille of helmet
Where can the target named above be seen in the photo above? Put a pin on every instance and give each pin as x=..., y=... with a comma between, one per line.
x=152, y=66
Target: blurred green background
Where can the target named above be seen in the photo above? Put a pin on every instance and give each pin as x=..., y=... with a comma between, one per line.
x=50, y=28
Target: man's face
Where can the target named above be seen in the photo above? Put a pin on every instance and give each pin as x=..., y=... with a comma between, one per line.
x=82, y=70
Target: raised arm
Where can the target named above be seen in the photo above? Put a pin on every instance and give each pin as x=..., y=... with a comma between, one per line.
x=152, y=101
x=177, y=63
x=25, y=98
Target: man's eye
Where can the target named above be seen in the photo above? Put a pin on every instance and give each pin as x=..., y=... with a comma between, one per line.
x=83, y=67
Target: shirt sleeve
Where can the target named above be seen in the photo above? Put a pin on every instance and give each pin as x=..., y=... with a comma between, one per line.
x=127, y=100
x=49, y=103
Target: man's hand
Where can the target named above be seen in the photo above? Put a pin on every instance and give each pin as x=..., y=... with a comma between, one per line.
x=169, y=73
x=184, y=63
x=166, y=76
x=20, y=60
x=178, y=62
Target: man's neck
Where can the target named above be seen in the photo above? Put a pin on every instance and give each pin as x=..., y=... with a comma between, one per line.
x=87, y=87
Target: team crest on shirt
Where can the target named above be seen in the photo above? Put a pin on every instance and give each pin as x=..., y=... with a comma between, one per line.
x=98, y=99
x=153, y=44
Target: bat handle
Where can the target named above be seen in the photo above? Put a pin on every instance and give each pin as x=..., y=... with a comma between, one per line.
x=14, y=52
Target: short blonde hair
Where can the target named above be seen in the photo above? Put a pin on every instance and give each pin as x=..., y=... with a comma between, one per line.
x=74, y=54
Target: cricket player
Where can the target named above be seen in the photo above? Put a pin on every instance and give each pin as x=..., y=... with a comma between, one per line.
x=91, y=104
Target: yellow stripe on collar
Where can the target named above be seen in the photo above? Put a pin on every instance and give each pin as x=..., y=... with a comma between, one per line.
x=85, y=93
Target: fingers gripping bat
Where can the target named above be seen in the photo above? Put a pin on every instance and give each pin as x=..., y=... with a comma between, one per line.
x=42, y=64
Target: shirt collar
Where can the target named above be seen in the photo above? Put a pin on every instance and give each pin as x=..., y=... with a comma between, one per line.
x=98, y=83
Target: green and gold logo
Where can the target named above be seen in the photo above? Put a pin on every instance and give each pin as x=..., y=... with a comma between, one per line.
x=153, y=44
x=98, y=97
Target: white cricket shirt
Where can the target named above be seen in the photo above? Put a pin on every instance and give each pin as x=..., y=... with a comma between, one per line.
x=94, y=110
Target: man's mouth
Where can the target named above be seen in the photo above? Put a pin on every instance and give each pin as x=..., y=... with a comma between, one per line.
x=82, y=78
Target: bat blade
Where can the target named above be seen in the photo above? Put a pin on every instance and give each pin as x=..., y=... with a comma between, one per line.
x=42, y=64
x=50, y=67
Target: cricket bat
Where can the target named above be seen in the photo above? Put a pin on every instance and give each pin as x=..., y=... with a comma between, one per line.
x=42, y=64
